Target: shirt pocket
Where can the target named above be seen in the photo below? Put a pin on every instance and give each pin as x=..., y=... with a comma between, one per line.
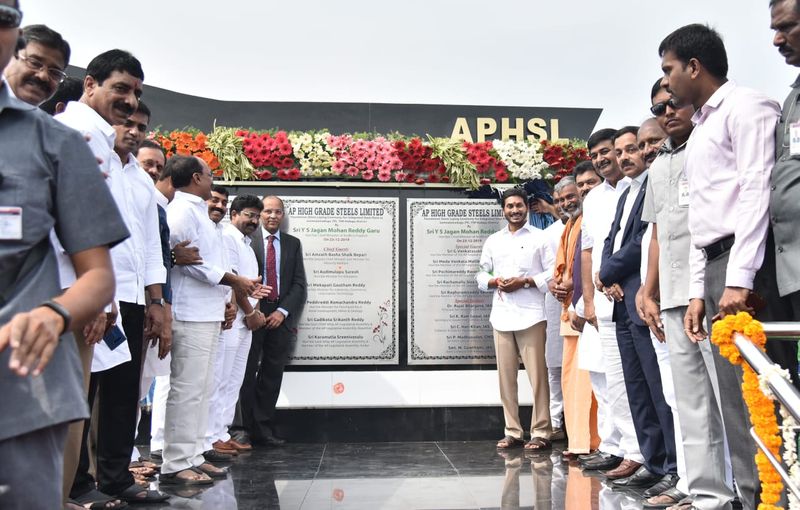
x=525, y=258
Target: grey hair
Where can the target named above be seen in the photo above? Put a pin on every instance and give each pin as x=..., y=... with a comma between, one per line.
x=565, y=181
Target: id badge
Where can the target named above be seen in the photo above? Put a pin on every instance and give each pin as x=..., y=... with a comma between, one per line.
x=683, y=192
x=794, y=139
x=10, y=223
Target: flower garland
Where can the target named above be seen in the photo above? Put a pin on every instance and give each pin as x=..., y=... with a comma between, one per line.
x=523, y=158
x=227, y=146
x=313, y=153
x=272, y=154
x=761, y=407
x=188, y=143
x=789, y=434
x=788, y=430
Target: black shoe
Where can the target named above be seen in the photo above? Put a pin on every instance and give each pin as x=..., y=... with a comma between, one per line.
x=583, y=459
x=157, y=455
x=214, y=456
x=603, y=462
x=269, y=441
x=668, y=481
x=641, y=478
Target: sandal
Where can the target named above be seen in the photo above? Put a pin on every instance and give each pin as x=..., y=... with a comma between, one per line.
x=538, y=443
x=136, y=494
x=174, y=479
x=213, y=471
x=670, y=498
x=94, y=499
x=509, y=442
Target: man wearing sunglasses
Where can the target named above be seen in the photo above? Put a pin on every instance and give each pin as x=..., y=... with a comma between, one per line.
x=665, y=297
x=36, y=70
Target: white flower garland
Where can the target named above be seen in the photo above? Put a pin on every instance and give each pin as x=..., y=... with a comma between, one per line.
x=522, y=158
x=788, y=431
x=313, y=153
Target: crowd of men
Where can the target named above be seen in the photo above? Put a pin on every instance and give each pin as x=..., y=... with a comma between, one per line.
x=685, y=219
x=674, y=224
x=119, y=276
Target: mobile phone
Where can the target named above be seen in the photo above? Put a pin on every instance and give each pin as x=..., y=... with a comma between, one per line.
x=114, y=337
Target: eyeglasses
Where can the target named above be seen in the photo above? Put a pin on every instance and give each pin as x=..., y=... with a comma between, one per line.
x=55, y=74
x=660, y=109
x=249, y=215
x=10, y=17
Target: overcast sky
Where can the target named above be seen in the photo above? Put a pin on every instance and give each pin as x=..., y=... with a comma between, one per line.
x=516, y=53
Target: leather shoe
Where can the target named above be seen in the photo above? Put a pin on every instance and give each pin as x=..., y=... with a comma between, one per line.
x=603, y=462
x=238, y=446
x=668, y=481
x=641, y=478
x=625, y=469
x=214, y=456
x=270, y=441
x=583, y=459
x=224, y=449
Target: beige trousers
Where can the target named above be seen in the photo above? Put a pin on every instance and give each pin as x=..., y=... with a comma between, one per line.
x=72, y=449
x=527, y=344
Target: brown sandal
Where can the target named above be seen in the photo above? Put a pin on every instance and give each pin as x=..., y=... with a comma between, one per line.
x=509, y=442
x=538, y=443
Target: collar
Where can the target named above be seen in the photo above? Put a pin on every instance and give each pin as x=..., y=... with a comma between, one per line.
x=238, y=233
x=667, y=147
x=9, y=100
x=189, y=197
x=161, y=199
x=796, y=82
x=267, y=234
x=608, y=187
x=86, y=111
x=526, y=226
x=713, y=102
x=639, y=179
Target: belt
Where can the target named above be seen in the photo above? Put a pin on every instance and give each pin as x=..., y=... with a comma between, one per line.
x=717, y=248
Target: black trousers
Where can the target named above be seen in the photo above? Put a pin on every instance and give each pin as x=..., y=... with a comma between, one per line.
x=118, y=392
x=652, y=417
x=269, y=354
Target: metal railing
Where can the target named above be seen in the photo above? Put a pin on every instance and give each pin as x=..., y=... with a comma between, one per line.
x=783, y=390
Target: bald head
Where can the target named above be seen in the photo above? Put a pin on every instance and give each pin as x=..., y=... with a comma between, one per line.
x=650, y=138
x=272, y=214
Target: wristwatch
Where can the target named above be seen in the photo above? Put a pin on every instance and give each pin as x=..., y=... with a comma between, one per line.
x=157, y=301
x=527, y=285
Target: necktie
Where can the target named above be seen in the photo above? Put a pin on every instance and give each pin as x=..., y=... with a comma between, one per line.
x=272, y=275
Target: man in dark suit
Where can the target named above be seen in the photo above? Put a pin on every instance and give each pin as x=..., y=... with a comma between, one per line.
x=280, y=259
x=620, y=278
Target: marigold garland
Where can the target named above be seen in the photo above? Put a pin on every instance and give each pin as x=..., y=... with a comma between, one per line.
x=761, y=407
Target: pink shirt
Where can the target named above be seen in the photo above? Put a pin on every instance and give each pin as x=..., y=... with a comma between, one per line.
x=729, y=158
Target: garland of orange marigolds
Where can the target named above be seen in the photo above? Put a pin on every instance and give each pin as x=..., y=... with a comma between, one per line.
x=761, y=407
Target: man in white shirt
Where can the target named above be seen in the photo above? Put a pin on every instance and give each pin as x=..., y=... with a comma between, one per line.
x=112, y=88
x=198, y=307
x=620, y=279
x=619, y=446
x=729, y=160
x=514, y=266
x=235, y=342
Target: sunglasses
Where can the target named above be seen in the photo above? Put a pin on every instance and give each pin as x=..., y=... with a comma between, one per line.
x=660, y=109
x=10, y=17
